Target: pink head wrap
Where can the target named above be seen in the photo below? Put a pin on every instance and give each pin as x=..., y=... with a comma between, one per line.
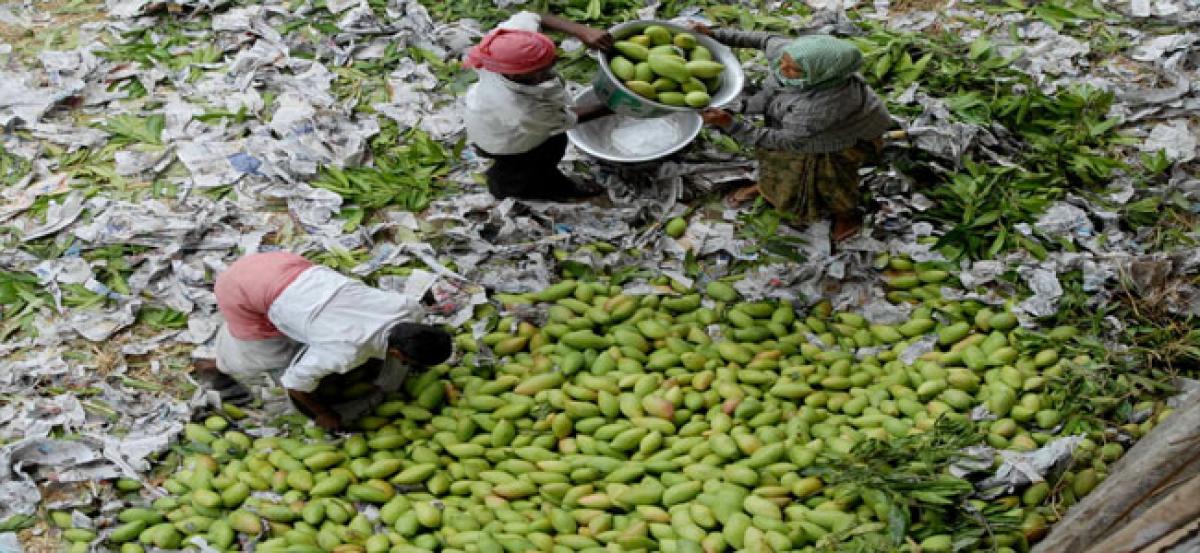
x=512, y=52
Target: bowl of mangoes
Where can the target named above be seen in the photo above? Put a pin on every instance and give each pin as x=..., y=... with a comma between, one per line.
x=657, y=68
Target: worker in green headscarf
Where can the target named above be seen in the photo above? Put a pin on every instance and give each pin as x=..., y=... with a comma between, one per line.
x=822, y=122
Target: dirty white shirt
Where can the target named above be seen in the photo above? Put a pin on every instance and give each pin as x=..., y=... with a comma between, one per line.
x=341, y=323
x=506, y=118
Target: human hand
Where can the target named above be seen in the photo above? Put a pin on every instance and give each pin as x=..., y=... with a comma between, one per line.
x=717, y=117
x=331, y=422
x=700, y=28
x=596, y=39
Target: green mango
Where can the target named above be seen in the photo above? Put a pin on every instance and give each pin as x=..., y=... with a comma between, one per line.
x=705, y=69
x=671, y=67
x=622, y=68
x=658, y=34
x=632, y=50
x=672, y=98
x=642, y=88
x=697, y=99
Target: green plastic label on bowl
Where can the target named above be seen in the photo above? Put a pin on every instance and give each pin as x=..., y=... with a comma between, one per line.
x=620, y=98
x=620, y=101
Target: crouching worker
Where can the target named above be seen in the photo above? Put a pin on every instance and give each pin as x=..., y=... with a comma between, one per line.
x=297, y=323
x=518, y=113
x=822, y=123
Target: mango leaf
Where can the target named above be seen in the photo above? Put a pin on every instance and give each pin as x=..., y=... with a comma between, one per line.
x=162, y=317
x=922, y=63
x=1102, y=127
x=986, y=219
x=998, y=244
x=979, y=48
x=882, y=65
x=131, y=128
x=1156, y=163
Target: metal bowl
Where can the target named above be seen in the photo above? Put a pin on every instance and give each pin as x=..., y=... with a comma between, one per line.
x=626, y=139
x=621, y=100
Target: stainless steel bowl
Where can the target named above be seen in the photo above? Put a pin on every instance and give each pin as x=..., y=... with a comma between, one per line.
x=626, y=139
x=620, y=99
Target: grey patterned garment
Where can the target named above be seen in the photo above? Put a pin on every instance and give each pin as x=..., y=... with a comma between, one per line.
x=805, y=121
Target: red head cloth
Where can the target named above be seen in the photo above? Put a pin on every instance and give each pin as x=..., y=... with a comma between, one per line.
x=512, y=52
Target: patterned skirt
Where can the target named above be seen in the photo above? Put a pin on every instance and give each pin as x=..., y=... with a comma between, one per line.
x=811, y=187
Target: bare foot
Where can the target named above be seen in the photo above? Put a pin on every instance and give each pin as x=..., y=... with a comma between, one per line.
x=845, y=226
x=739, y=197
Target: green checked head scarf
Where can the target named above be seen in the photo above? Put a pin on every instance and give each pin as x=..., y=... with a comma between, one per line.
x=825, y=60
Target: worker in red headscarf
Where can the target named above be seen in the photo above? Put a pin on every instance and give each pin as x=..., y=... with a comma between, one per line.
x=518, y=113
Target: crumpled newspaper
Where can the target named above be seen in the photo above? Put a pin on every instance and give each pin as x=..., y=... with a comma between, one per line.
x=1175, y=138
x=1063, y=220
x=32, y=459
x=296, y=117
x=1052, y=56
x=20, y=197
x=1179, y=11
x=936, y=131
x=23, y=101
x=1018, y=468
x=916, y=349
x=1046, y=291
x=416, y=102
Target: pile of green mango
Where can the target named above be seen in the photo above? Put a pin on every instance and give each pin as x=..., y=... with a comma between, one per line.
x=668, y=68
x=687, y=421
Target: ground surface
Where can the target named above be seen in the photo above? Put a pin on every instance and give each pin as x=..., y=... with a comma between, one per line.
x=190, y=140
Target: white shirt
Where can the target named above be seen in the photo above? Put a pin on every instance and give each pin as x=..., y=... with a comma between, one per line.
x=504, y=117
x=341, y=322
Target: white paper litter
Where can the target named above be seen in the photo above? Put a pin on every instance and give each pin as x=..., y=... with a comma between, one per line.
x=1176, y=138
x=23, y=101
x=242, y=184
x=1019, y=469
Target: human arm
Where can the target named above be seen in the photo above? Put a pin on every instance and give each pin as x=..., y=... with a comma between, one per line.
x=717, y=117
x=302, y=378
x=791, y=132
x=753, y=104
x=769, y=138
x=596, y=39
x=322, y=415
x=735, y=38
x=583, y=114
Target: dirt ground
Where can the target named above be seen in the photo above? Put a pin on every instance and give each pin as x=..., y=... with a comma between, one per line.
x=902, y=6
x=52, y=18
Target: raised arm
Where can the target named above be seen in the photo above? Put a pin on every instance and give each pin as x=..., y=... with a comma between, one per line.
x=597, y=39
x=770, y=43
x=735, y=38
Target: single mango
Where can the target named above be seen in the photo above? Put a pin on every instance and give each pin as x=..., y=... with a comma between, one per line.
x=672, y=98
x=705, y=69
x=658, y=34
x=642, y=88
x=697, y=99
x=622, y=68
x=632, y=50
